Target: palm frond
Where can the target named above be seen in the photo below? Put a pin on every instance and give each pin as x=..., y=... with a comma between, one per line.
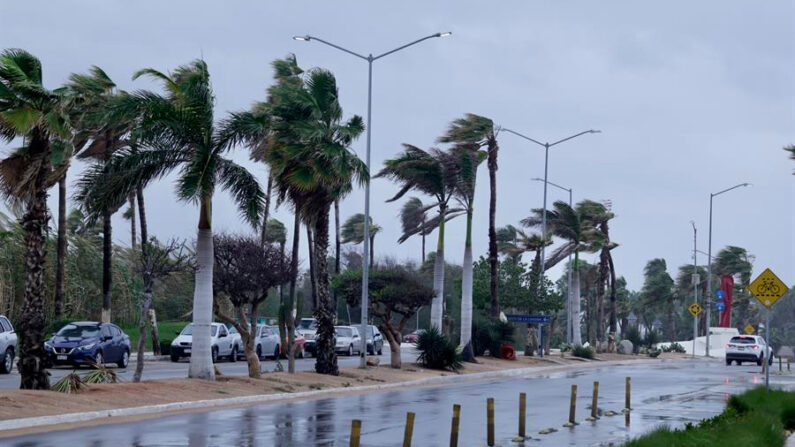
x=244, y=188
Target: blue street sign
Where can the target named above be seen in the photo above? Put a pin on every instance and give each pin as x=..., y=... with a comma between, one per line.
x=720, y=294
x=536, y=319
x=720, y=306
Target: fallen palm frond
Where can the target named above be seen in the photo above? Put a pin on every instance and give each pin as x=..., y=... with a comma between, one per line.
x=101, y=374
x=69, y=383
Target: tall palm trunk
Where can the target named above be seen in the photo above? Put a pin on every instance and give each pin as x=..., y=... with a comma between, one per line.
x=372, y=251
x=293, y=305
x=337, y=247
x=438, y=274
x=151, y=313
x=201, y=366
x=266, y=215
x=601, y=288
x=423, y=239
x=613, y=308
x=32, y=322
x=466, y=293
x=324, y=313
x=60, y=260
x=312, y=266
x=576, y=337
x=107, y=253
x=133, y=230
x=493, y=265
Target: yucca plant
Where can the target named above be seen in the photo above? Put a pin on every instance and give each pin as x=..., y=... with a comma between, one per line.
x=69, y=384
x=437, y=351
x=100, y=374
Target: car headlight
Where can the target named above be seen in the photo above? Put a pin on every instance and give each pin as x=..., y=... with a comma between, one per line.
x=47, y=346
x=88, y=346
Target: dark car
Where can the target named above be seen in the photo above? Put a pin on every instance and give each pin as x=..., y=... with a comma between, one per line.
x=88, y=343
x=413, y=337
x=375, y=341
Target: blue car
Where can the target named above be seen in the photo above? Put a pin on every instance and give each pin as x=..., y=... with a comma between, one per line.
x=89, y=343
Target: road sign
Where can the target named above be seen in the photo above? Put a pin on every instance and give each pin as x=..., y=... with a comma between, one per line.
x=720, y=306
x=749, y=329
x=720, y=294
x=695, y=309
x=767, y=288
x=534, y=319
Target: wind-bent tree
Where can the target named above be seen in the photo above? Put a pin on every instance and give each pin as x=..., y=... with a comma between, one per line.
x=736, y=261
x=575, y=227
x=600, y=215
x=413, y=217
x=178, y=132
x=30, y=111
x=277, y=234
x=244, y=272
x=514, y=242
x=396, y=295
x=435, y=173
x=475, y=129
x=658, y=292
x=312, y=164
x=353, y=233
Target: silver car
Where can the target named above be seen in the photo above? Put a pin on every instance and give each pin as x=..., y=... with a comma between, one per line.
x=266, y=343
x=8, y=345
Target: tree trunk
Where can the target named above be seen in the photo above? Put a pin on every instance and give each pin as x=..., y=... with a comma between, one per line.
x=372, y=251
x=493, y=265
x=613, y=302
x=107, y=264
x=671, y=322
x=248, y=333
x=201, y=365
x=466, y=294
x=324, y=313
x=394, y=344
x=312, y=266
x=266, y=212
x=291, y=314
x=32, y=356
x=152, y=314
x=147, y=303
x=337, y=247
x=60, y=260
x=576, y=337
x=604, y=270
x=438, y=275
x=423, y=242
x=133, y=231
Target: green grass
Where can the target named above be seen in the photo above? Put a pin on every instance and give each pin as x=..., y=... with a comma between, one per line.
x=165, y=328
x=754, y=418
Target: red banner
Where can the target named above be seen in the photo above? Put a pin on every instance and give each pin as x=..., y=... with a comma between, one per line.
x=727, y=285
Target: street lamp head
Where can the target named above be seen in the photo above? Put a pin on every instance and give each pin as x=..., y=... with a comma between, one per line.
x=306, y=38
x=444, y=34
x=537, y=179
x=594, y=131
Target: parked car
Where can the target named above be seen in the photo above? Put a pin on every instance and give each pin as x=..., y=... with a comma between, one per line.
x=221, y=343
x=266, y=343
x=375, y=341
x=347, y=340
x=748, y=348
x=413, y=337
x=299, y=345
x=88, y=343
x=8, y=345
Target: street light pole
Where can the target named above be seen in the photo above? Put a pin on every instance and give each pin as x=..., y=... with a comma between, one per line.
x=708, y=298
x=695, y=278
x=546, y=147
x=366, y=243
x=568, y=315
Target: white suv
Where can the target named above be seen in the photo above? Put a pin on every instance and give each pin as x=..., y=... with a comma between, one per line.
x=8, y=345
x=223, y=344
x=748, y=348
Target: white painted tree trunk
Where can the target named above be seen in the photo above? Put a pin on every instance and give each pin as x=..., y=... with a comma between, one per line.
x=201, y=365
x=437, y=305
x=576, y=338
x=466, y=297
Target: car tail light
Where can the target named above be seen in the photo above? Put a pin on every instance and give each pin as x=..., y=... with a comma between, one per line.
x=729, y=345
x=755, y=346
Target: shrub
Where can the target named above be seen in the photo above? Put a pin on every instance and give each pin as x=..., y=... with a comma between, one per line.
x=69, y=383
x=674, y=347
x=585, y=352
x=490, y=335
x=437, y=352
x=651, y=339
x=633, y=334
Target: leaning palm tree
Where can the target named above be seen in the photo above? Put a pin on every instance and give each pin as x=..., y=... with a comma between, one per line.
x=178, y=132
x=353, y=233
x=413, y=217
x=481, y=131
x=312, y=165
x=514, y=242
x=30, y=111
x=600, y=215
x=575, y=227
x=435, y=173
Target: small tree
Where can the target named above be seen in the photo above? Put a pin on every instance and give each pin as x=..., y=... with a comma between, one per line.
x=396, y=294
x=244, y=272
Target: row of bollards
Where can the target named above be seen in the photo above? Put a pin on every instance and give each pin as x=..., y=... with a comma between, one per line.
x=356, y=425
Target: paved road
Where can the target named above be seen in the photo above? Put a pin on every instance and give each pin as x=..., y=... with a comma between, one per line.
x=669, y=393
x=154, y=370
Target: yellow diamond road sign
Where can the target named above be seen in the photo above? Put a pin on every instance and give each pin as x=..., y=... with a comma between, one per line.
x=749, y=329
x=695, y=309
x=767, y=288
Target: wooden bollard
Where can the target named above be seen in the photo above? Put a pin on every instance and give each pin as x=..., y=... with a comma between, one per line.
x=522, y=414
x=573, y=406
x=490, y=421
x=595, y=402
x=409, y=432
x=627, y=399
x=356, y=432
x=780, y=369
x=456, y=423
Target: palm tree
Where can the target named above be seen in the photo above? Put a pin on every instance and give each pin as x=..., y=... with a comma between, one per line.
x=413, y=217
x=178, y=132
x=435, y=173
x=312, y=165
x=574, y=226
x=38, y=115
x=481, y=131
x=469, y=158
x=600, y=215
x=658, y=291
x=513, y=242
x=353, y=233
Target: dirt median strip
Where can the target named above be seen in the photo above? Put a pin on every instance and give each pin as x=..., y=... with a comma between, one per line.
x=24, y=425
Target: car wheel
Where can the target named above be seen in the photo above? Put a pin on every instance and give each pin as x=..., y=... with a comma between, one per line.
x=8, y=361
x=739, y=363
x=259, y=352
x=276, y=352
x=770, y=360
x=99, y=359
x=214, y=354
x=350, y=351
x=728, y=362
x=233, y=356
x=381, y=350
x=174, y=358
x=759, y=361
x=125, y=359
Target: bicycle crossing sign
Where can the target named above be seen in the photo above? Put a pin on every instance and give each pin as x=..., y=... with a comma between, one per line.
x=695, y=309
x=767, y=288
x=749, y=329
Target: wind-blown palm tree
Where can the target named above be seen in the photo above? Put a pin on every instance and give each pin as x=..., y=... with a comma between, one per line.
x=312, y=165
x=353, y=233
x=600, y=215
x=38, y=115
x=481, y=131
x=413, y=217
x=514, y=242
x=658, y=291
x=178, y=132
x=435, y=173
x=574, y=226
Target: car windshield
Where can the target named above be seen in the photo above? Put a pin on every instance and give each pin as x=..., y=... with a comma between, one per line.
x=307, y=324
x=189, y=330
x=344, y=332
x=74, y=330
x=743, y=340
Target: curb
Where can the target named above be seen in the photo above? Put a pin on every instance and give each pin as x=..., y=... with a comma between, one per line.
x=69, y=418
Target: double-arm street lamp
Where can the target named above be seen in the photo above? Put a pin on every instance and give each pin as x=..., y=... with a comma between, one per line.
x=546, y=147
x=568, y=301
x=366, y=248
x=708, y=298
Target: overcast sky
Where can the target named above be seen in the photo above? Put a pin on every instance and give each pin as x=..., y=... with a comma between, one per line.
x=692, y=97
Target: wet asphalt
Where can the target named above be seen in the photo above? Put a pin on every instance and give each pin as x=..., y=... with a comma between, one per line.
x=671, y=393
